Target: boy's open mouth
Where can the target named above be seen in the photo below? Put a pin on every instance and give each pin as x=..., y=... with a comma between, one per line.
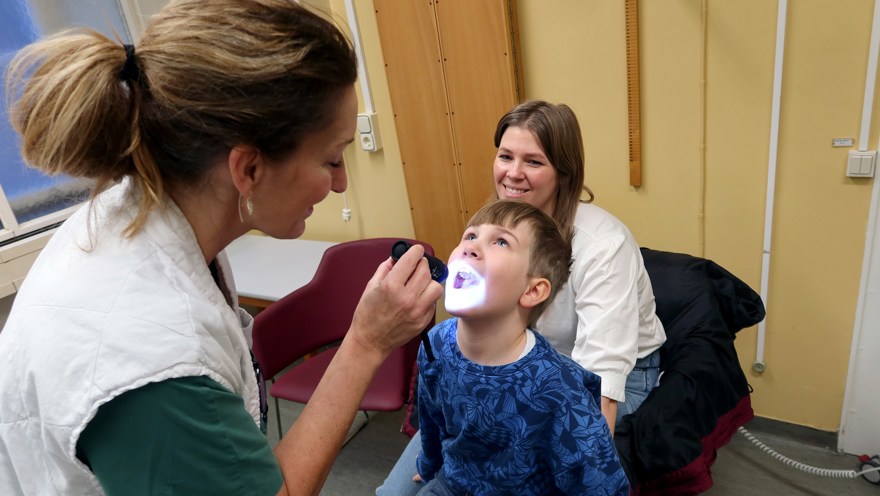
x=464, y=278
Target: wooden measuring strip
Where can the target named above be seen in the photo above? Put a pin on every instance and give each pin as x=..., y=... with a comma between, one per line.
x=633, y=98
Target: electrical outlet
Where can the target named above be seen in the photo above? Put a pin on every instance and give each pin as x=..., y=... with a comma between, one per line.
x=367, y=142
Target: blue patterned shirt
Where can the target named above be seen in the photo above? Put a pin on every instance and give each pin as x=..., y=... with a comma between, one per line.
x=532, y=427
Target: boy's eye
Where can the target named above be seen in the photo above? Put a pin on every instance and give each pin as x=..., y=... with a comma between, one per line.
x=503, y=243
x=336, y=164
x=470, y=236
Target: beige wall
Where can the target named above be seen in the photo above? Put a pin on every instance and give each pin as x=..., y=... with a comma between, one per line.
x=820, y=215
x=376, y=187
x=708, y=200
x=705, y=152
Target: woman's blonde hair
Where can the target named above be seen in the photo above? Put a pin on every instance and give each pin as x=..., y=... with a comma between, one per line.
x=559, y=135
x=207, y=75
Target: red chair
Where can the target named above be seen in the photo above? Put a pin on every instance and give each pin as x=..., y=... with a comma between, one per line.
x=311, y=321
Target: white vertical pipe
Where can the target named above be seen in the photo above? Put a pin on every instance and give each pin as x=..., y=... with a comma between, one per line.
x=362, y=68
x=758, y=366
x=367, y=94
x=870, y=80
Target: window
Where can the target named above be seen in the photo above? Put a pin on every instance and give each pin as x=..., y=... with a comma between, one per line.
x=31, y=202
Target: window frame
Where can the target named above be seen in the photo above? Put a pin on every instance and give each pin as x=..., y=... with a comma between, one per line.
x=21, y=242
x=11, y=229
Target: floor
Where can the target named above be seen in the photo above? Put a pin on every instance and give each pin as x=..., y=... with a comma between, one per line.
x=372, y=449
x=741, y=467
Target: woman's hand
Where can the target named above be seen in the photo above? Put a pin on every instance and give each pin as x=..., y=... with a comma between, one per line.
x=397, y=303
x=609, y=411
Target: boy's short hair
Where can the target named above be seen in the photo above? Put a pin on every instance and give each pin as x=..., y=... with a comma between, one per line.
x=550, y=253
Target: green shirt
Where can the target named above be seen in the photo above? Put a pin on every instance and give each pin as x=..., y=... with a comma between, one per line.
x=180, y=436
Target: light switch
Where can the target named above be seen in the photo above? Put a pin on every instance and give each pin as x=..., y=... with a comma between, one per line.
x=867, y=166
x=364, y=125
x=853, y=165
x=861, y=163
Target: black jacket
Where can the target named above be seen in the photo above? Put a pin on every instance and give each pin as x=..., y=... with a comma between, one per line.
x=668, y=445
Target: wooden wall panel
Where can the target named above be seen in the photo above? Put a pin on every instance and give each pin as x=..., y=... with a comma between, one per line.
x=451, y=68
x=413, y=64
x=476, y=44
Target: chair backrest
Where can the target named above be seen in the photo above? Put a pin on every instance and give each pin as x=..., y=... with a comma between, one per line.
x=319, y=313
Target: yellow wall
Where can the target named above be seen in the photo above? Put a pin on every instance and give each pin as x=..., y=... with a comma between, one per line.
x=820, y=215
x=376, y=187
x=699, y=200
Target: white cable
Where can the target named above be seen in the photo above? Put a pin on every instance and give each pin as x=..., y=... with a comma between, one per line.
x=821, y=472
x=346, y=212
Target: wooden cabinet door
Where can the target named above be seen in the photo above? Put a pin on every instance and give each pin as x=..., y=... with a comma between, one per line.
x=453, y=71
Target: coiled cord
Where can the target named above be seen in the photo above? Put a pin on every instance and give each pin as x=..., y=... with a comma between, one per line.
x=822, y=472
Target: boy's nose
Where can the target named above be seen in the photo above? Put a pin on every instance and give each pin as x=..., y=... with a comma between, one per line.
x=470, y=251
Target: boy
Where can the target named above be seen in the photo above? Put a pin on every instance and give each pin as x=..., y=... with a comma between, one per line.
x=500, y=411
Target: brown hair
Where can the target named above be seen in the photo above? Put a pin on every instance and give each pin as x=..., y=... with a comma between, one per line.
x=550, y=253
x=208, y=75
x=559, y=135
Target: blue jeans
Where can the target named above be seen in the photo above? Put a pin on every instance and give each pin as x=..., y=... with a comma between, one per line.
x=436, y=487
x=639, y=383
x=399, y=481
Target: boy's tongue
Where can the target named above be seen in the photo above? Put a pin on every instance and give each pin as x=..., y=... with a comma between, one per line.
x=464, y=276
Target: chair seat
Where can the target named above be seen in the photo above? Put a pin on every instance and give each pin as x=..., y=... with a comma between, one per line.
x=297, y=384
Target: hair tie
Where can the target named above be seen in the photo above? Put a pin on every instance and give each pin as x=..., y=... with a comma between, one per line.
x=130, y=71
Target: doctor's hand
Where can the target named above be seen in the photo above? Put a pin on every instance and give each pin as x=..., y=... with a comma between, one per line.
x=397, y=303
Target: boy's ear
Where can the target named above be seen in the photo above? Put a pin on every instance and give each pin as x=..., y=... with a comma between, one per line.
x=246, y=167
x=537, y=291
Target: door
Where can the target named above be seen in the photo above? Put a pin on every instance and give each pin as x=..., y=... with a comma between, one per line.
x=860, y=422
x=453, y=70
